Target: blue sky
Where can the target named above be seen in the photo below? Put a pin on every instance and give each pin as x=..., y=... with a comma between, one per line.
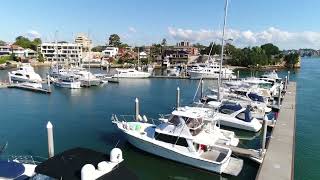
x=287, y=23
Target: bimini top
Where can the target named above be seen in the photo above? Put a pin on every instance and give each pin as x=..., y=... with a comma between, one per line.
x=10, y=170
x=232, y=107
x=255, y=97
x=68, y=164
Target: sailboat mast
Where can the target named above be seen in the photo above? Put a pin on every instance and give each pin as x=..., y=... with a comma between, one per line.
x=222, y=47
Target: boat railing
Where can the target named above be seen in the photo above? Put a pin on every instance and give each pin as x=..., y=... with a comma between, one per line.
x=131, y=118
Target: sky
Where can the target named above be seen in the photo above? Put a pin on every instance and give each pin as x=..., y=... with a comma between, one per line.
x=286, y=23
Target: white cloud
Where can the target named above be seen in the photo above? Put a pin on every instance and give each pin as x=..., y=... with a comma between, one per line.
x=33, y=34
x=281, y=38
x=132, y=30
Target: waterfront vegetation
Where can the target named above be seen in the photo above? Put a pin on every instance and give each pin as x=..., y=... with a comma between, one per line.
x=4, y=59
x=27, y=43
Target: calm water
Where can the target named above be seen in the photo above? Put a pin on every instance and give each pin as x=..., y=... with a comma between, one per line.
x=82, y=118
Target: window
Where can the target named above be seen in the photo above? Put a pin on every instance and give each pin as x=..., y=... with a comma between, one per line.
x=241, y=116
x=175, y=120
x=226, y=111
x=171, y=139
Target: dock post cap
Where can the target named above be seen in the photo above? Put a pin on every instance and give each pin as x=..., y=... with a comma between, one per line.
x=137, y=100
x=49, y=125
x=178, y=88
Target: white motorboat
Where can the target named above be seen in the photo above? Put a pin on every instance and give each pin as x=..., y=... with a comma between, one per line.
x=173, y=71
x=174, y=141
x=237, y=117
x=131, y=73
x=211, y=71
x=272, y=75
x=67, y=81
x=87, y=79
x=25, y=73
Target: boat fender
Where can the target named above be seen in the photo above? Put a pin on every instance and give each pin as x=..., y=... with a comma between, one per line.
x=145, y=118
x=105, y=166
x=139, y=118
x=116, y=155
x=88, y=172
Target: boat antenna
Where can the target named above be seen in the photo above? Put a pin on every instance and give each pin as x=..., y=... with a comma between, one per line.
x=222, y=47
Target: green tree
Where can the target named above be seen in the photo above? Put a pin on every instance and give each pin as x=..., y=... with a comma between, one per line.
x=40, y=57
x=291, y=59
x=164, y=42
x=23, y=42
x=98, y=48
x=114, y=40
x=270, y=49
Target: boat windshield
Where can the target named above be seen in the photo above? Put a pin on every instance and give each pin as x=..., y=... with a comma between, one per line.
x=245, y=116
x=175, y=120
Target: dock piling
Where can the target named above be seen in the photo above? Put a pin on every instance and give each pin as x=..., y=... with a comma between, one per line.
x=48, y=82
x=264, y=136
x=137, y=108
x=279, y=97
x=9, y=75
x=50, y=139
x=238, y=75
x=178, y=98
x=288, y=77
x=201, y=95
x=285, y=83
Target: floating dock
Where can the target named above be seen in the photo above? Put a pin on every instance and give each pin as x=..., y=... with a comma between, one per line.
x=278, y=163
x=29, y=88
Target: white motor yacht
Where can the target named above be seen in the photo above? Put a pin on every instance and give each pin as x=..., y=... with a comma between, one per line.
x=173, y=71
x=131, y=73
x=211, y=71
x=25, y=73
x=67, y=81
x=87, y=79
x=174, y=141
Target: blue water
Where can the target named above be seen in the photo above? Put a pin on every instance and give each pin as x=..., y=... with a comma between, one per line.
x=82, y=118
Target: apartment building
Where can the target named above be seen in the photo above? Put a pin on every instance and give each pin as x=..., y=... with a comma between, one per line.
x=83, y=41
x=62, y=52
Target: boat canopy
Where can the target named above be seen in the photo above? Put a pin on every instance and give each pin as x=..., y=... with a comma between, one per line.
x=11, y=170
x=233, y=107
x=255, y=97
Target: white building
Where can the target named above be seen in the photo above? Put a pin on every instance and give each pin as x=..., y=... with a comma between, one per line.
x=143, y=55
x=110, y=52
x=84, y=41
x=5, y=50
x=61, y=52
x=18, y=51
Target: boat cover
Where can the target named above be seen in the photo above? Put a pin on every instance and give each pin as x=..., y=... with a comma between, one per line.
x=10, y=169
x=68, y=164
x=233, y=107
x=255, y=97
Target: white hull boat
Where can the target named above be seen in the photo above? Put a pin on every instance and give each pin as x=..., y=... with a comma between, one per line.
x=131, y=73
x=146, y=137
x=25, y=73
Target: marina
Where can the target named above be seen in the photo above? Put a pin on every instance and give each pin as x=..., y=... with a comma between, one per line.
x=180, y=95
x=135, y=85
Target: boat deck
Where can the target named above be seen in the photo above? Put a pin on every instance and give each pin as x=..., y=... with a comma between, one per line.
x=213, y=155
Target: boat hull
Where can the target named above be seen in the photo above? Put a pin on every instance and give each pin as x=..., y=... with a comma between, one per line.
x=168, y=153
x=68, y=85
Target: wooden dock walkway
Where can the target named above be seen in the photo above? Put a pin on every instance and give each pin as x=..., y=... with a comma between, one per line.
x=21, y=86
x=278, y=162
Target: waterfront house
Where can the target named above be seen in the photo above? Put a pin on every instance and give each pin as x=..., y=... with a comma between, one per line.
x=18, y=51
x=143, y=55
x=110, y=52
x=5, y=50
